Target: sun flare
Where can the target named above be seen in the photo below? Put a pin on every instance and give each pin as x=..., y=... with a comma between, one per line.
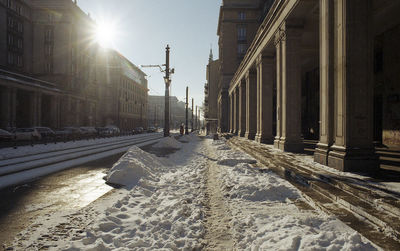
x=105, y=34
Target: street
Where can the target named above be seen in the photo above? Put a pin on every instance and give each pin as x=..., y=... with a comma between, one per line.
x=205, y=195
x=65, y=191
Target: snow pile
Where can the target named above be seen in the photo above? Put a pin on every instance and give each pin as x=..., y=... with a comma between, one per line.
x=168, y=142
x=134, y=165
x=157, y=214
x=188, y=137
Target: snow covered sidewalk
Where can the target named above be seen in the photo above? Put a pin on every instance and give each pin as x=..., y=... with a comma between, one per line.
x=204, y=196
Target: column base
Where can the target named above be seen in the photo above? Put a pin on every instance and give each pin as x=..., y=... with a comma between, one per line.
x=250, y=135
x=291, y=146
x=260, y=138
x=321, y=154
x=241, y=133
x=353, y=160
x=276, y=142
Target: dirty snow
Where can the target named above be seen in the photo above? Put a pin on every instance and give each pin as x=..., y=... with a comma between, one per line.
x=165, y=206
x=168, y=142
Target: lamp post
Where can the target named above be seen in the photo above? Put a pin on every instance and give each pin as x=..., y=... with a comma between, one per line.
x=167, y=81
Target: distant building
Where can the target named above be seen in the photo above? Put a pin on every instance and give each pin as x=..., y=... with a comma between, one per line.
x=122, y=92
x=210, y=95
x=156, y=111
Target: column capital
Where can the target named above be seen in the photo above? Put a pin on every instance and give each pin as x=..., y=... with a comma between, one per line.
x=264, y=59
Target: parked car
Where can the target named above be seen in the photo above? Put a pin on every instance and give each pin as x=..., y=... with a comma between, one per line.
x=114, y=130
x=45, y=132
x=88, y=131
x=74, y=132
x=138, y=130
x=5, y=136
x=151, y=129
x=27, y=134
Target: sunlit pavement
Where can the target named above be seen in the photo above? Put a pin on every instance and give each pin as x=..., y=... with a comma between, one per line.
x=71, y=189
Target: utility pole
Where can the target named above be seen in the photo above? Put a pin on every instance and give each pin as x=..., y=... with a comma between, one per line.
x=192, y=114
x=187, y=110
x=167, y=84
x=196, y=124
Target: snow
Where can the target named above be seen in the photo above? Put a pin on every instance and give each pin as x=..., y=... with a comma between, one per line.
x=22, y=151
x=168, y=142
x=48, y=166
x=164, y=206
x=132, y=167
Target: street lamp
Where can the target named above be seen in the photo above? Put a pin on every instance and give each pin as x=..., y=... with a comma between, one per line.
x=167, y=81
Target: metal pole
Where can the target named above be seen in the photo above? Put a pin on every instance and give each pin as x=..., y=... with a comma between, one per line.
x=196, y=124
x=192, y=114
x=167, y=84
x=187, y=111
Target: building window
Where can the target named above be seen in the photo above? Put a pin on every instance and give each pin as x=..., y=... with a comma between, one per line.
x=241, y=30
x=19, y=43
x=48, y=50
x=10, y=22
x=48, y=67
x=242, y=15
x=19, y=61
x=10, y=40
x=10, y=58
x=242, y=49
x=49, y=34
x=20, y=27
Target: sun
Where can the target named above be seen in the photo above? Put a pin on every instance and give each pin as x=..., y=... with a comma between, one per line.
x=105, y=34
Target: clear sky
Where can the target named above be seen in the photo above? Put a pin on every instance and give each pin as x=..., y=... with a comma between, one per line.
x=145, y=27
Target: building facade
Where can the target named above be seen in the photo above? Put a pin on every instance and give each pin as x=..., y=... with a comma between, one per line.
x=156, y=111
x=123, y=92
x=210, y=95
x=237, y=26
x=325, y=70
x=52, y=72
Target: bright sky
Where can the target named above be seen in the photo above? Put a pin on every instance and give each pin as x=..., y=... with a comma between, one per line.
x=144, y=27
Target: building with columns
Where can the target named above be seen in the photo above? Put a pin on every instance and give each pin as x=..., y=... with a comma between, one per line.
x=210, y=95
x=237, y=26
x=323, y=70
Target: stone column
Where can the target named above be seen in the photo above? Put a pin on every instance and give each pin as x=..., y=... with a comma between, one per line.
x=55, y=104
x=291, y=139
x=251, y=105
x=34, y=109
x=231, y=112
x=236, y=113
x=353, y=149
x=265, y=79
x=5, y=111
x=242, y=108
x=326, y=82
x=278, y=46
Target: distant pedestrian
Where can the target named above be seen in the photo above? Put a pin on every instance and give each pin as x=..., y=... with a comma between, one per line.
x=181, y=129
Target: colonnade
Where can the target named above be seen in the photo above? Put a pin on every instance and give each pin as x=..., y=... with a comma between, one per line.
x=272, y=79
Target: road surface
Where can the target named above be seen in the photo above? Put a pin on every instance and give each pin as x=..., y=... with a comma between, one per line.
x=70, y=189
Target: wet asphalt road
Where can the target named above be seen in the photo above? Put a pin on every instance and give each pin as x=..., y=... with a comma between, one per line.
x=67, y=190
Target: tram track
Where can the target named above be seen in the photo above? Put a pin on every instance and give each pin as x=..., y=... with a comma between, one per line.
x=364, y=206
x=46, y=163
